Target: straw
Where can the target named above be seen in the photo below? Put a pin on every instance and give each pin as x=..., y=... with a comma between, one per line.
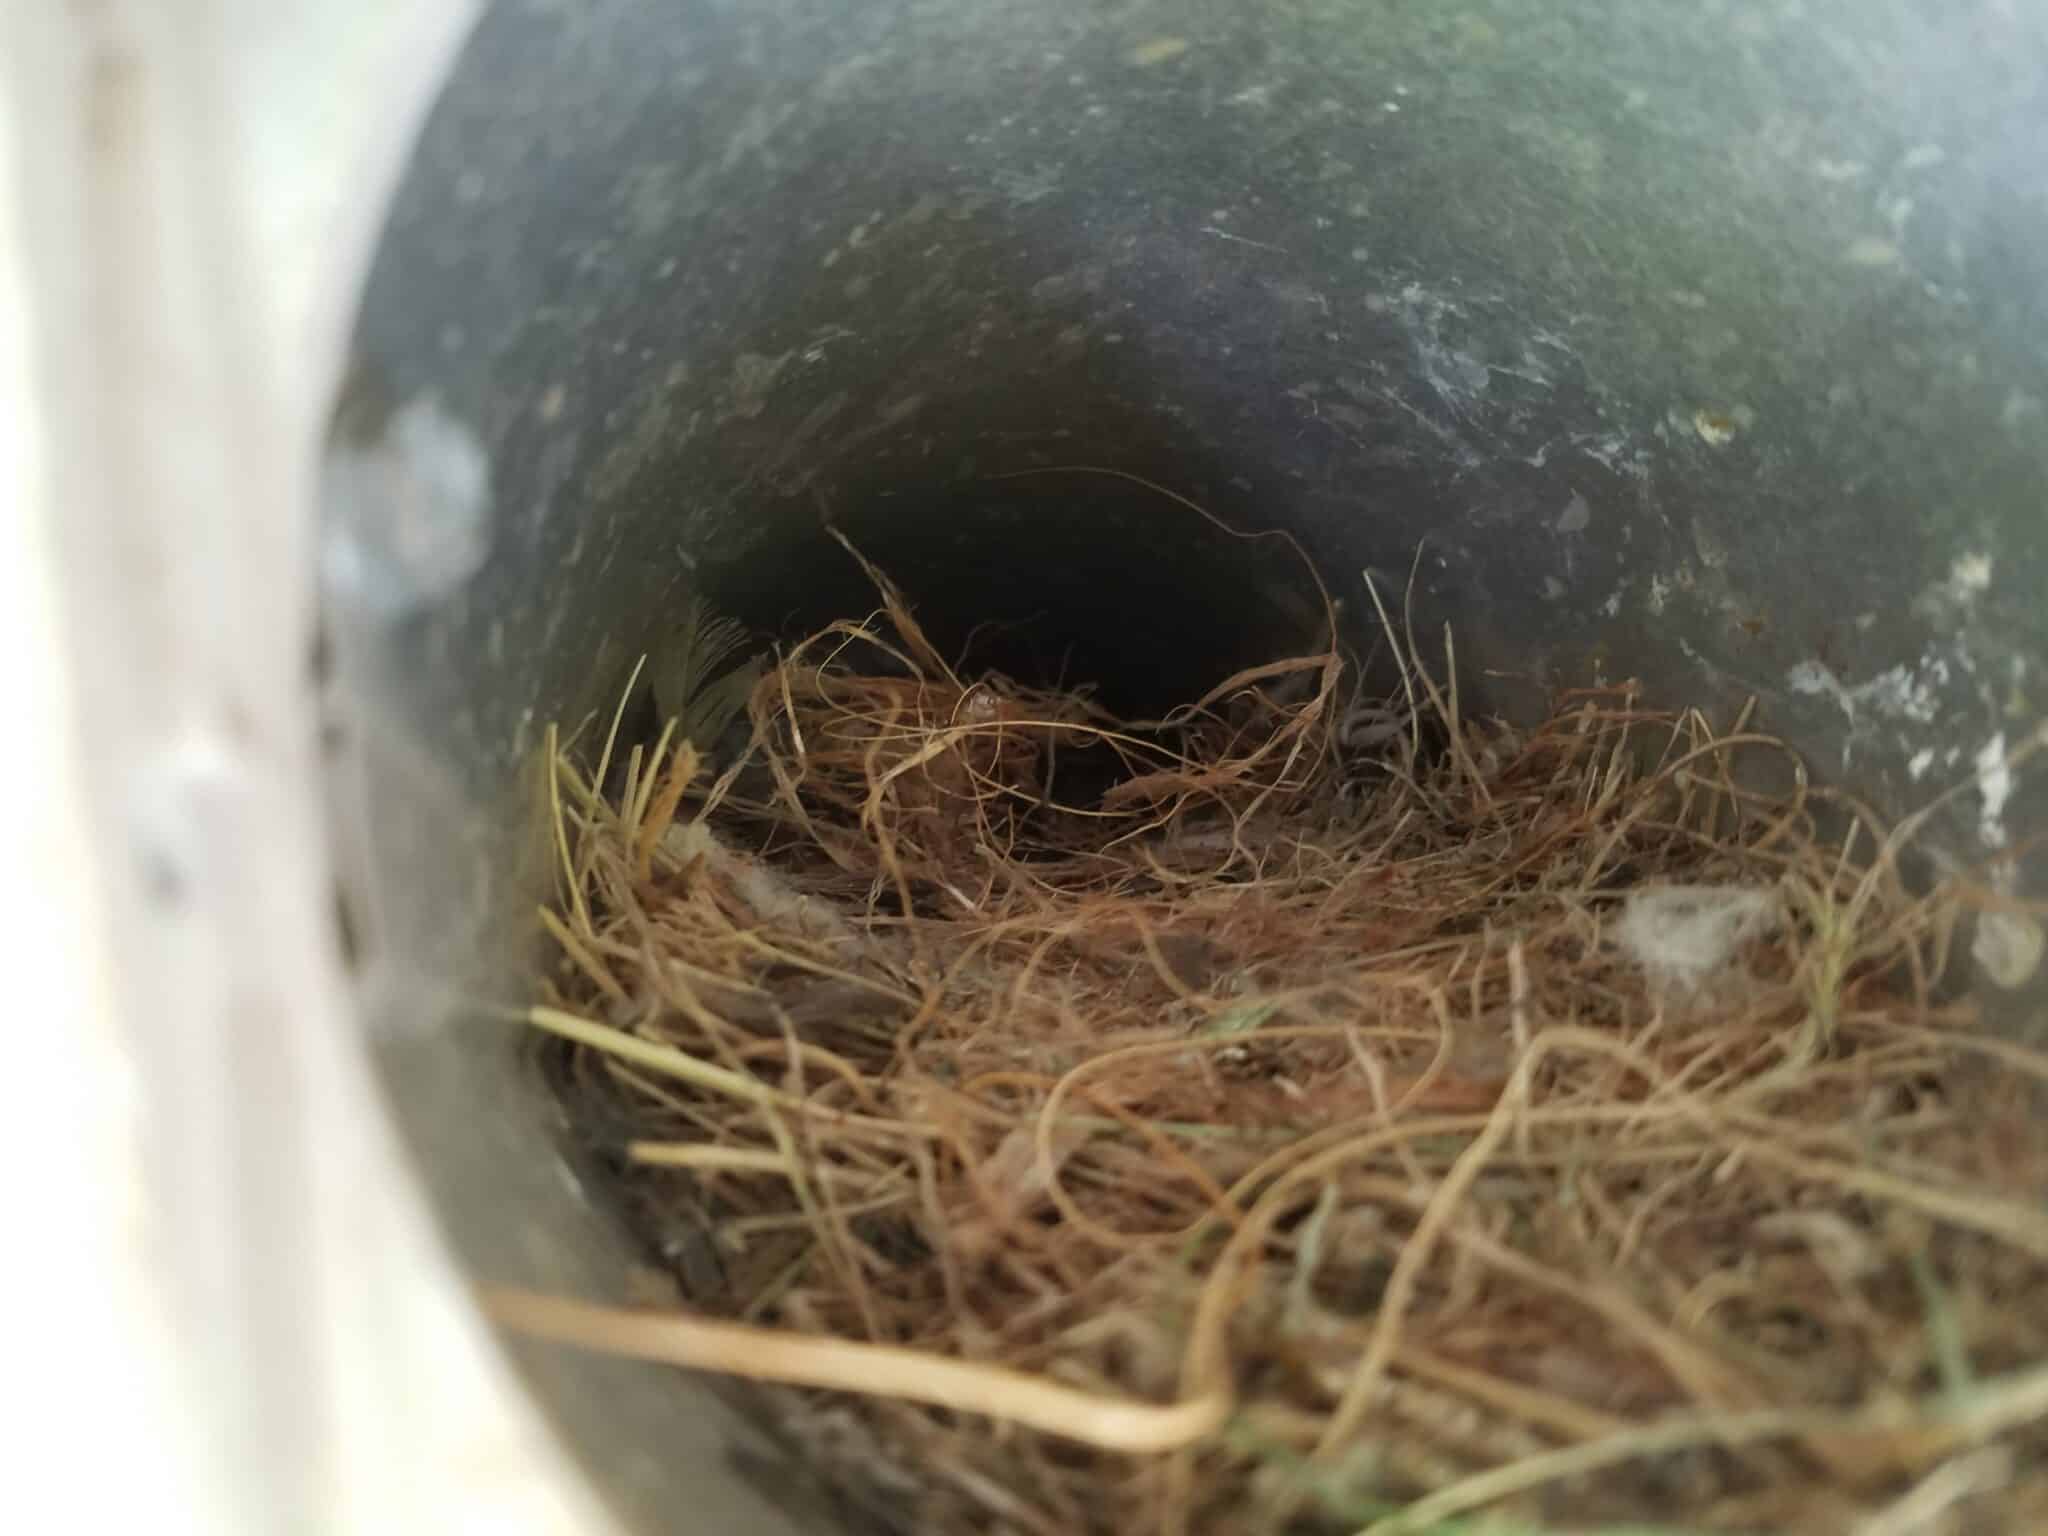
x=1362, y=1113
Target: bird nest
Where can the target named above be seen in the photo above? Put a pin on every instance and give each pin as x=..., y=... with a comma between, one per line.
x=1333, y=1114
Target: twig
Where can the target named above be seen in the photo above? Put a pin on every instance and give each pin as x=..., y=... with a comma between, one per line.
x=878, y=1370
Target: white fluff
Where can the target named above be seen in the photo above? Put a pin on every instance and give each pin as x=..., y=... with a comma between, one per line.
x=1683, y=935
x=2008, y=946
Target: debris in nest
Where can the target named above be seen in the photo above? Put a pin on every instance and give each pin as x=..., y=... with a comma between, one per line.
x=1232, y=1122
x=1686, y=935
x=2008, y=948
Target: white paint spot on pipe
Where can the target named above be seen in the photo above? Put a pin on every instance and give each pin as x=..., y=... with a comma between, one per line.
x=1968, y=575
x=1815, y=680
x=2019, y=408
x=1906, y=695
x=1898, y=693
x=1158, y=51
x=1994, y=787
x=409, y=513
x=1715, y=428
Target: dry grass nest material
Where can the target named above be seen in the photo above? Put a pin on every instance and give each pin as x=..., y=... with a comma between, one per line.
x=1356, y=1118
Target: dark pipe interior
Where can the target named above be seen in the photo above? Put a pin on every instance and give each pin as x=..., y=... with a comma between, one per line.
x=1051, y=579
x=1700, y=344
